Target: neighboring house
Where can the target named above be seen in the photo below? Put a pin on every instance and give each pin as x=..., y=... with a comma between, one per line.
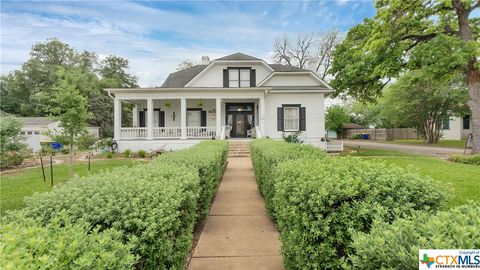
x=457, y=128
x=235, y=96
x=34, y=129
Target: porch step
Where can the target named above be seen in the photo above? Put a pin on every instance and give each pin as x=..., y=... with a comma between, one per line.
x=239, y=149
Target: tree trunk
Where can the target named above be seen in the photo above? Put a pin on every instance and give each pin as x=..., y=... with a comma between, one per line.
x=472, y=73
x=70, y=161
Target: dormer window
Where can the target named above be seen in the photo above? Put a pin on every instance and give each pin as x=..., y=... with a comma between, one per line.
x=239, y=77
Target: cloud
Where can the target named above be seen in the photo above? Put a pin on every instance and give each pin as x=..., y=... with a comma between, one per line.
x=154, y=36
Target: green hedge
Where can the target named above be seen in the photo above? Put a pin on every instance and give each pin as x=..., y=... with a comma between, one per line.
x=154, y=205
x=396, y=245
x=209, y=159
x=61, y=245
x=466, y=159
x=319, y=202
x=267, y=153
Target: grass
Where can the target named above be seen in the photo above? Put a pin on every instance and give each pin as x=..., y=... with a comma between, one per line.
x=442, y=143
x=461, y=179
x=16, y=185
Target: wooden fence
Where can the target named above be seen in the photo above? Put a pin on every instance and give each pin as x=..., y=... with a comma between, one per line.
x=383, y=134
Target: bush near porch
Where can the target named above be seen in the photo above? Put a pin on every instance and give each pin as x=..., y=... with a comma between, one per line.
x=318, y=203
x=154, y=206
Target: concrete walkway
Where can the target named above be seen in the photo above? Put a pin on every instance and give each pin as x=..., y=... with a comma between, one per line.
x=238, y=233
x=441, y=152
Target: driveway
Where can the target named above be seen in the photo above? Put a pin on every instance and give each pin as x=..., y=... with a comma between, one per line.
x=441, y=152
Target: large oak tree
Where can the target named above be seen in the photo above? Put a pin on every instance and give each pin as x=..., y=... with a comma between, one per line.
x=436, y=36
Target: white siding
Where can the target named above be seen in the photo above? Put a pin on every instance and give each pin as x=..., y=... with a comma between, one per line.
x=315, y=114
x=454, y=133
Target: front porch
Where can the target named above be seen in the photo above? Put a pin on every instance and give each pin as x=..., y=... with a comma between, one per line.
x=188, y=119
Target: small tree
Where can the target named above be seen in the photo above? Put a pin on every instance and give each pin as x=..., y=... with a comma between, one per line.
x=13, y=149
x=418, y=100
x=72, y=114
x=336, y=117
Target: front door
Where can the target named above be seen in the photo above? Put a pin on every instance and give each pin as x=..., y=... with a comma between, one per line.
x=239, y=127
x=240, y=118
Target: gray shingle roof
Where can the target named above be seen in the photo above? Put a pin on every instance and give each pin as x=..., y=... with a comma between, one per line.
x=36, y=121
x=238, y=57
x=286, y=68
x=180, y=78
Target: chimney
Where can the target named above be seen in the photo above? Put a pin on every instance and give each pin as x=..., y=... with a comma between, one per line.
x=205, y=60
x=312, y=65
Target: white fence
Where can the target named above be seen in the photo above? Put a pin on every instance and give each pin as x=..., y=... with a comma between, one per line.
x=201, y=132
x=133, y=133
x=167, y=133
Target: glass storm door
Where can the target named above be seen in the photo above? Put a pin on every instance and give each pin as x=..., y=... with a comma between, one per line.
x=239, y=128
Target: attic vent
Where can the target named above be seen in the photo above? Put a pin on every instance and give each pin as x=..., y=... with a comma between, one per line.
x=205, y=60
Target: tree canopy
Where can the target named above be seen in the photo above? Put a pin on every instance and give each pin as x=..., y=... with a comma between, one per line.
x=435, y=37
x=32, y=90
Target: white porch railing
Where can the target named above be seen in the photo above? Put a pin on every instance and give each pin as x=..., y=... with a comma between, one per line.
x=335, y=146
x=201, y=132
x=167, y=133
x=258, y=135
x=133, y=133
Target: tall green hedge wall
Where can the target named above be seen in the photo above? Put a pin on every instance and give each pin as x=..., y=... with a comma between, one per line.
x=153, y=206
x=319, y=202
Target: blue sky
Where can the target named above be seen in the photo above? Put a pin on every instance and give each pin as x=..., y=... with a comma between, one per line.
x=156, y=35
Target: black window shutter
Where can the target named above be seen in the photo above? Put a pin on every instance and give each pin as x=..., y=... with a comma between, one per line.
x=161, y=122
x=203, y=119
x=279, y=119
x=225, y=78
x=253, y=78
x=142, y=118
x=303, y=117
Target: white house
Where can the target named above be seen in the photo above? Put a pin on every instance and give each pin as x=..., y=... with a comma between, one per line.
x=236, y=96
x=457, y=128
x=34, y=129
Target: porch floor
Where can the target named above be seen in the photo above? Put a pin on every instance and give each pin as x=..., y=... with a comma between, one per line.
x=238, y=233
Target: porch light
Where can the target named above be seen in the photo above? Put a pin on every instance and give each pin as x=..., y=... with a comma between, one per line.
x=173, y=116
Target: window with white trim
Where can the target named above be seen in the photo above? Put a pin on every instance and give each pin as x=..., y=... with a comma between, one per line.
x=238, y=77
x=291, y=118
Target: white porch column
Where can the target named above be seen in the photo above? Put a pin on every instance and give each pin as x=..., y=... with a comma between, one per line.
x=150, y=119
x=261, y=109
x=135, y=115
x=183, y=118
x=218, y=116
x=117, y=116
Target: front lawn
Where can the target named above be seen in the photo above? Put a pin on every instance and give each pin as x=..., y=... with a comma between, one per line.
x=442, y=143
x=17, y=184
x=463, y=179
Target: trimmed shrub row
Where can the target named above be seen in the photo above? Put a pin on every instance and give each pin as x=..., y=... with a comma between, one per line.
x=154, y=206
x=320, y=202
x=62, y=245
x=466, y=159
x=266, y=154
x=209, y=160
x=458, y=228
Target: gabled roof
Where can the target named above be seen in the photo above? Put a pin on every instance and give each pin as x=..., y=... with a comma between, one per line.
x=286, y=68
x=238, y=57
x=36, y=121
x=181, y=78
